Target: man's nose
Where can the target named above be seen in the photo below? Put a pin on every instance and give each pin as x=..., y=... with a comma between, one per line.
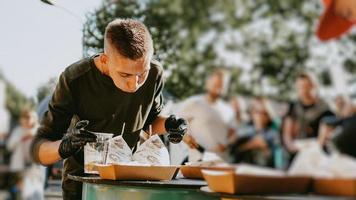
x=133, y=83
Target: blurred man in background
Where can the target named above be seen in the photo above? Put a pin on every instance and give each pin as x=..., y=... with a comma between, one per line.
x=304, y=115
x=20, y=139
x=209, y=116
x=29, y=178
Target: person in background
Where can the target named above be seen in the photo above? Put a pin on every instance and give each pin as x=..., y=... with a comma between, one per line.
x=259, y=144
x=20, y=140
x=209, y=117
x=338, y=18
x=304, y=115
x=28, y=177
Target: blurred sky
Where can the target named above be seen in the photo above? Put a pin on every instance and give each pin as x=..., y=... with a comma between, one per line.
x=38, y=41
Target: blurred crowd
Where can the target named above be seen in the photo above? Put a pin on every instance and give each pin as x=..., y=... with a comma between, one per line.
x=257, y=130
x=19, y=175
x=264, y=131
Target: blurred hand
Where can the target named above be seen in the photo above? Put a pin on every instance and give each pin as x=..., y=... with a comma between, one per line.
x=231, y=135
x=325, y=134
x=293, y=149
x=256, y=142
x=220, y=148
x=190, y=141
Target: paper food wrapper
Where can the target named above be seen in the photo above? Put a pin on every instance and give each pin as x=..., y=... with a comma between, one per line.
x=305, y=143
x=118, y=151
x=314, y=162
x=209, y=159
x=342, y=166
x=258, y=171
x=196, y=156
x=151, y=152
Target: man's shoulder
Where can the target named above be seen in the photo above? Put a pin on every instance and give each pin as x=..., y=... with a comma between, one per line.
x=189, y=106
x=77, y=69
x=222, y=103
x=324, y=105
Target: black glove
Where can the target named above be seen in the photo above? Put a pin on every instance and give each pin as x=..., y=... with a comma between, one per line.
x=74, y=141
x=176, y=128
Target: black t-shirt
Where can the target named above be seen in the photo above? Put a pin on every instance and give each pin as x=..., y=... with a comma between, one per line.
x=308, y=117
x=84, y=93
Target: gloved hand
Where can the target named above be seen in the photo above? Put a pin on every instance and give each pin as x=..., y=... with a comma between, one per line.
x=176, y=128
x=72, y=142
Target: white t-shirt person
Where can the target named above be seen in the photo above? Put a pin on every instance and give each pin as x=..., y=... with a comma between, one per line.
x=208, y=122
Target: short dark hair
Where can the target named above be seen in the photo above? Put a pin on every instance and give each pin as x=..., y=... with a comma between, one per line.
x=303, y=75
x=129, y=37
x=307, y=76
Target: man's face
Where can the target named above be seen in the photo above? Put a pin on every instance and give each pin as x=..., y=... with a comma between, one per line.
x=304, y=87
x=346, y=9
x=127, y=75
x=215, y=85
x=28, y=121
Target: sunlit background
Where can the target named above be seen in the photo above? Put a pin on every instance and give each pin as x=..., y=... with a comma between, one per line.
x=262, y=45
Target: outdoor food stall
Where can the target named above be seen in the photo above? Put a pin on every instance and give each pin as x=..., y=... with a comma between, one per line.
x=112, y=171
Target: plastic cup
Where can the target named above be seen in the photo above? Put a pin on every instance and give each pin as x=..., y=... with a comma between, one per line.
x=96, y=152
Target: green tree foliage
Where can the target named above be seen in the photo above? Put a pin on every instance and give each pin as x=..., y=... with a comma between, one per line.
x=16, y=101
x=46, y=89
x=275, y=37
x=350, y=65
x=177, y=27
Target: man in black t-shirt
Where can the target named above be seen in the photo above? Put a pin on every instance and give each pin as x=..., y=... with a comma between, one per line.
x=121, y=86
x=304, y=116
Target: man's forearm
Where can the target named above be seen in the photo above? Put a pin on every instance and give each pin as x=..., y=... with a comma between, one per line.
x=48, y=152
x=158, y=125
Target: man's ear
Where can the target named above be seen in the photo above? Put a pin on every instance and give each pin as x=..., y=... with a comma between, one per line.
x=103, y=59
